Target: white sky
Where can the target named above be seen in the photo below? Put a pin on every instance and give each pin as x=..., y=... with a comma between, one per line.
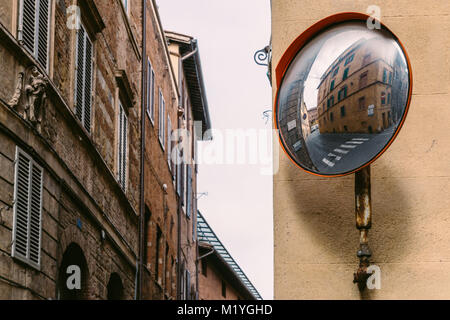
x=239, y=202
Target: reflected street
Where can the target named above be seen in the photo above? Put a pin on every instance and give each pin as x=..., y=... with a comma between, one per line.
x=331, y=152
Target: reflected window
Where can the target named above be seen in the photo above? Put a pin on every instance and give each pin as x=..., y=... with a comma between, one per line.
x=349, y=59
x=366, y=59
x=362, y=103
x=335, y=71
x=363, y=80
x=384, y=75
x=345, y=76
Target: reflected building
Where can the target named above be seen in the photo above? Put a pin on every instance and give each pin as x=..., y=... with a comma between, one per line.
x=355, y=92
x=294, y=128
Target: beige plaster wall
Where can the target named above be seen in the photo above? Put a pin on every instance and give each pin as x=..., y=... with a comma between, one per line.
x=315, y=235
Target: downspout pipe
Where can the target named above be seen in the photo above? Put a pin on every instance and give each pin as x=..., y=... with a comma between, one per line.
x=139, y=278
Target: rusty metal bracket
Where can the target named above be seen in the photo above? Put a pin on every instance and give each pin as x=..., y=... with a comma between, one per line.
x=363, y=214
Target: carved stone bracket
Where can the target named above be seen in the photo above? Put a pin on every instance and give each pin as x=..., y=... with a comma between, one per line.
x=30, y=95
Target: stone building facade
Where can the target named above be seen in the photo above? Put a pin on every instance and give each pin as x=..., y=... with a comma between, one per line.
x=71, y=193
x=69, y=180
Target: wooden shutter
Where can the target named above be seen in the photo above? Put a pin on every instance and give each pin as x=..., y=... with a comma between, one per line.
x=169, y=142
x=162, y=117
x=34, y=28
x=27, y=210
x=83, y=87
x=122, y=146
x=189, y=191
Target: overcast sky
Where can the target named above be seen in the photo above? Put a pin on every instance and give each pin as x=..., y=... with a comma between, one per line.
x=239, y=202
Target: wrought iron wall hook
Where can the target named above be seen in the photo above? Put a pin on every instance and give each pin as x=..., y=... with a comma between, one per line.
x=263, y=57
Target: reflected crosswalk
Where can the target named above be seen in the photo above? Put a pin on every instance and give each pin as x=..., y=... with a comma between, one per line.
x=343, y=149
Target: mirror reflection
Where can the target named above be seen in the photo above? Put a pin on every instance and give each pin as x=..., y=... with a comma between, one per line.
x=342, y=98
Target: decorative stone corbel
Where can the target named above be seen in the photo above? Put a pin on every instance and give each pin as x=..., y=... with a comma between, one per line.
x=30, y=95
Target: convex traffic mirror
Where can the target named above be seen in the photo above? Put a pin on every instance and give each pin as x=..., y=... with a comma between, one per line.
x=342, y=98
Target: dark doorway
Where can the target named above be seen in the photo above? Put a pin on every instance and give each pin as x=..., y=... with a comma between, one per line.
x=73, y=256
x=370, y=129
x=115, y=287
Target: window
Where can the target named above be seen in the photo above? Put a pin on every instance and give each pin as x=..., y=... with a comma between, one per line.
x=332, y=101
x=342, y=94
x=204, y=267
x=150, y=91
x=188, y=191
x=158, y=246
x=331, y=116
x=362, y=103
x=390, y=77
x=34, y=27
x=384, y=75
x=349, y=59
x=146, y=234
x=332, y=85
x=389, y=98
x=224, y=289
x=383, y=98
x=342, y=111
x=335, y=72
x=125, y=5
x=366, y=59
x=345, y=74
x=188, y=285
x=122, y=148
x=169, y=143
x=26, y=241
x=83, y=78
x=363, y=80
x=162, y=117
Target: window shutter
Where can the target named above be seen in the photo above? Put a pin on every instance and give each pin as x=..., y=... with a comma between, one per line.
x=83, y=87
x=169, y=142
x=122, y=147
x=188, y=285
x=27, y=210
x=34, y=28
x=28, y=24
x=189, y=191
x=162, y=117
x=43, y=32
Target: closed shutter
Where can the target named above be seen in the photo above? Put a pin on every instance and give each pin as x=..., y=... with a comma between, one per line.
x=188, y=285
x=162, y=117
x=122, y=146
x=27, y=210
x=189, y=191
x=150, y=91
x=34, y=28
x=83, y=87
x=169, y=142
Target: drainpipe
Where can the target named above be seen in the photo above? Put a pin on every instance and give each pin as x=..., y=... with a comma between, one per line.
x=139, y=271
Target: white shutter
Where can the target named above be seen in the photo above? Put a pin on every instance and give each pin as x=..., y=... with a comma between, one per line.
x=34, y=27
x=169, y=142
x=27, y=210
x=83, y=79
x=122, y=147
x=162, y=117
